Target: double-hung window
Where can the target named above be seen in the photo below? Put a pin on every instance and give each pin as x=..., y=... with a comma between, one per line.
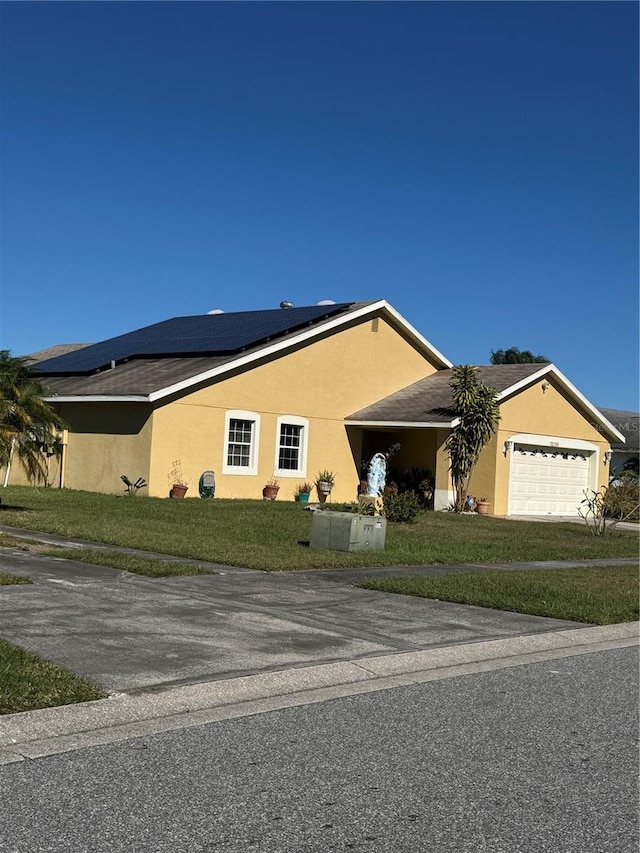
x=242, y=431
x=291, y=446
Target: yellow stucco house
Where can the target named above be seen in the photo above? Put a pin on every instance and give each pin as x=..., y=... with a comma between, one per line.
x=291, y=391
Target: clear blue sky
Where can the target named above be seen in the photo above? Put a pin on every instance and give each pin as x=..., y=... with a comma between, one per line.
x=475, y=164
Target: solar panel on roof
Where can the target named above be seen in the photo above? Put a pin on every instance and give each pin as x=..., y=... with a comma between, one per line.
x=217, y=334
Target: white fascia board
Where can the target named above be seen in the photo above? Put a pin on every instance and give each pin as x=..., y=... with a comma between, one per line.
x=98, y=398
x=415, y=334
x=573, y=391
x=302, y=337
x=405, y=424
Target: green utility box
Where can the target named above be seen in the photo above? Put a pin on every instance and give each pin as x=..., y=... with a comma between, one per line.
x=344, y=531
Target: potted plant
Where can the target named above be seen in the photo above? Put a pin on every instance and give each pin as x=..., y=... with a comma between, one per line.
x=271, y=489
x=177, y=481
x=131, y=487
x=302, y=492
x=482, y=506
x=324, y=483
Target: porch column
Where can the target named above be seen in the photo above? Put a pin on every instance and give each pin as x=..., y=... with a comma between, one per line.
x=444, y=494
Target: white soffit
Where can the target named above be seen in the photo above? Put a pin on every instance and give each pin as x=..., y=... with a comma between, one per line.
x=405, y=424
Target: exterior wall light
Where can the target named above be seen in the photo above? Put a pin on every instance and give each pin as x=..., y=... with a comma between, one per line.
x=608, y=456
x=508, y=446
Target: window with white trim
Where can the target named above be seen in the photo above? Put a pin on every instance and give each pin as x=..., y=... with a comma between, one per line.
x=291, y=446
x=242, y=431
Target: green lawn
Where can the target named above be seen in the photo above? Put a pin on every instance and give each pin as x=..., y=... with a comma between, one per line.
x=601, y=595
x=128, y=562
x=28, y=682
x=7, y=579
x=274, y=535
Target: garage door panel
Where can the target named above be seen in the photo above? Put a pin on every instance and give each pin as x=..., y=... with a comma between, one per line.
x=547, y=481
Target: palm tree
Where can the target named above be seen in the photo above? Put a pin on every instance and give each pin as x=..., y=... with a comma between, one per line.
x=477, y=407
x=29, y=427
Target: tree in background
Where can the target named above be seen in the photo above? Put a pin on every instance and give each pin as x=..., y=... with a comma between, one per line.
x=29, y=427
x=516, y=356
x=477, y=407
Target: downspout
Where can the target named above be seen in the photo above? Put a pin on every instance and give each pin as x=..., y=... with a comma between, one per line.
x=8, y=471
x=63, y=456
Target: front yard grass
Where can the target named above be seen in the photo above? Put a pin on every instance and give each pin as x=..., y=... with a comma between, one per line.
x=600, y=595
x=147, y=566
x=274, y=535
x=28, y=682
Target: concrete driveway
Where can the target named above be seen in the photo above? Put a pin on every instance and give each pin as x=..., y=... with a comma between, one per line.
x=132, y=634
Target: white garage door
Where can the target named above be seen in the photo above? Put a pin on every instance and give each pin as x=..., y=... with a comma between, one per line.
x=547, y=480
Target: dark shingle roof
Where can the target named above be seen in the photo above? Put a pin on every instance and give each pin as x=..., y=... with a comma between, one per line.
x=205, y=334
x=142, y=376
x=628, y=423
x=54, y=352
x=429, y=400
x=138, y=377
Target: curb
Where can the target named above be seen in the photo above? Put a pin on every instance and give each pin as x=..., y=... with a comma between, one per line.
x=51, y=731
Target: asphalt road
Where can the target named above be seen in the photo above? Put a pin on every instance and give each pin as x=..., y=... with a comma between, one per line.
x=540, y=757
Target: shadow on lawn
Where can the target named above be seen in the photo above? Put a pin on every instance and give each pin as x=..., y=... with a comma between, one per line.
x=15, y=507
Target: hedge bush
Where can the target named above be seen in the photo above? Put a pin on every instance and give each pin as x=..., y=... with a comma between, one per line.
x=404, y=507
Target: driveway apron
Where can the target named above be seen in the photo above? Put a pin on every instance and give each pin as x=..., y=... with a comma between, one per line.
x=130, y=633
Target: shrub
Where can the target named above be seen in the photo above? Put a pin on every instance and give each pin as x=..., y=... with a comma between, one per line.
x=403, y=507
x=622, y=497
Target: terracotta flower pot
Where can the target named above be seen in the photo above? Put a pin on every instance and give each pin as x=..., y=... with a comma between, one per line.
x=270, y=492
x=483, y=508
x=178, y=491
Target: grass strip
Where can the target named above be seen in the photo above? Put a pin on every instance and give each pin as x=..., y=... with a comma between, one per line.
x=7, y=541
x=28, y=682
x=600, y=595
x=7, y=579
x=148, y=566
x=274, y=535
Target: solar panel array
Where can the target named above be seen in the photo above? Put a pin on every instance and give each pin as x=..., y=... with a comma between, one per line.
x=207, y=334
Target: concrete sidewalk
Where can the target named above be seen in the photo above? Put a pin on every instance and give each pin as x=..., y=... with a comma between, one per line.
x=51, y=731
x=185, y=650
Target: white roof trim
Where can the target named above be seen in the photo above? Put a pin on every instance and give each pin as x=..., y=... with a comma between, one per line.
x=405, y=424
x=97, y=398
x=380, y=305
x=556, y=441
x=598, y=417
x=414, y=333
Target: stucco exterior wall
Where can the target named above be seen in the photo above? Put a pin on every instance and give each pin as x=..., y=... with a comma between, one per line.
x=18, y=476
x=105, y=441
x=323, y=382
x=542, y=409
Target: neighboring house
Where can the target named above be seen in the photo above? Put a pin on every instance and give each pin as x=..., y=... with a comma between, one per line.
x=627, y=423
x=295, y=390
